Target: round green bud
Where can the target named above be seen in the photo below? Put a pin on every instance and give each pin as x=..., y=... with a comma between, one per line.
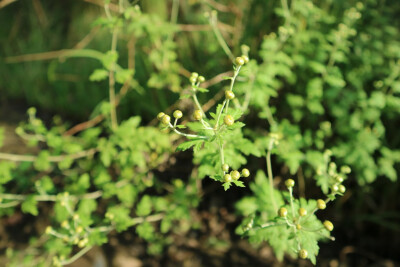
x=339, y=179
x=342, y=189
x=177, y=114
x=228, y=120
x=345, y=169
x=289, y=183
x=225, y=167
x=245, y=173
x=239, y=61
x=302, y=212
x=282, y=212
x=195, y=75
x=328, y=225
x=303, y=254
x=160, y=115
x=166, y=120
x=321, y=204
x=227, y=178
x=197, y=115
x=229, y=95
x=245, y=58
x=193, y=80
x=335, y=188
x=235, y=175
x=201, y=79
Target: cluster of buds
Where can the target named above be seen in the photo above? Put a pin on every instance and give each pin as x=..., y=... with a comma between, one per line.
x=240, y=61
x=196, y=79
x=234, y=175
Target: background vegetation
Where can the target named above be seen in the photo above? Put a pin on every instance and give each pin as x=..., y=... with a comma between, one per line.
x=323, y=79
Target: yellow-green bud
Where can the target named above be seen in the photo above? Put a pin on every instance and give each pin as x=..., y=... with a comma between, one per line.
x=197, y=115
x=160, y=115
x=228, y=120
x=303, y=254
x=289, y=183
x=239, y=61
x=282, y=212
x=328, y=225
x=177, y=114
x=321, y=204
x=227, y=178
x=166, y=120
x=235, y=175
x=302, y=212
x=229, y=95
x=245, y=173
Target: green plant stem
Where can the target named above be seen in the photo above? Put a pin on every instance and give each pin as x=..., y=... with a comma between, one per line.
x=196, y=101
x=113, y=113
x=186, y=135
x=220, y=39
x=10, y=204
x=174, y=11
x=270, y=177
x=52, y=198
x=226, y=101
x=235, y=74
x=221, y=153
x=76, y=256
x=291, y=201
x=285, y=7
x=58, y=158
x=219, y=115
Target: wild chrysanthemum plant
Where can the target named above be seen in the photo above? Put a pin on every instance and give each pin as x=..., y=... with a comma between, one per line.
x=216, y=138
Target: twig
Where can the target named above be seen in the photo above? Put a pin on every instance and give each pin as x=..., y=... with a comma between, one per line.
x=6, y=3
x=58, y=158
x=270, y=176
x=76, y=256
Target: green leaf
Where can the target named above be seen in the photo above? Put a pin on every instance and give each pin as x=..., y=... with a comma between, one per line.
x=188, y=144
x=239, y=183
x=144, y=206
x=226, y=185
x=42, y=162
x=30, y=206
x=145, y=231
x=98, y=75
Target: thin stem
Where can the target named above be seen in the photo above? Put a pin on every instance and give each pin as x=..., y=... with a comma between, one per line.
x=174, y=11
x=291, y=200
x=220, y=39
x=114, y=123
x=31, y=158
x=219, y=115
x=221, y=153
x=186, y=135
x=248, y=94
x=76, y=256
x=285, y=7
x=196, y=101
x=151, y=218
x=51, y=198
x=270, y=177
x=235, y=74
x=10, y=204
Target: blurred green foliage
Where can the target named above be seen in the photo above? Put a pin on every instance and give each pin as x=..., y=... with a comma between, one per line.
x=323, y=76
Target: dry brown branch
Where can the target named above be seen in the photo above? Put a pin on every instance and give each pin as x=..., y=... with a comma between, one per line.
x=41, y=15
x=6, y=3
x=38, y=56
x=113, y=7
x=88, y=38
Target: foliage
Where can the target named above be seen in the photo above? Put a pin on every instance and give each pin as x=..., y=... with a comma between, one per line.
x=316, y=96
